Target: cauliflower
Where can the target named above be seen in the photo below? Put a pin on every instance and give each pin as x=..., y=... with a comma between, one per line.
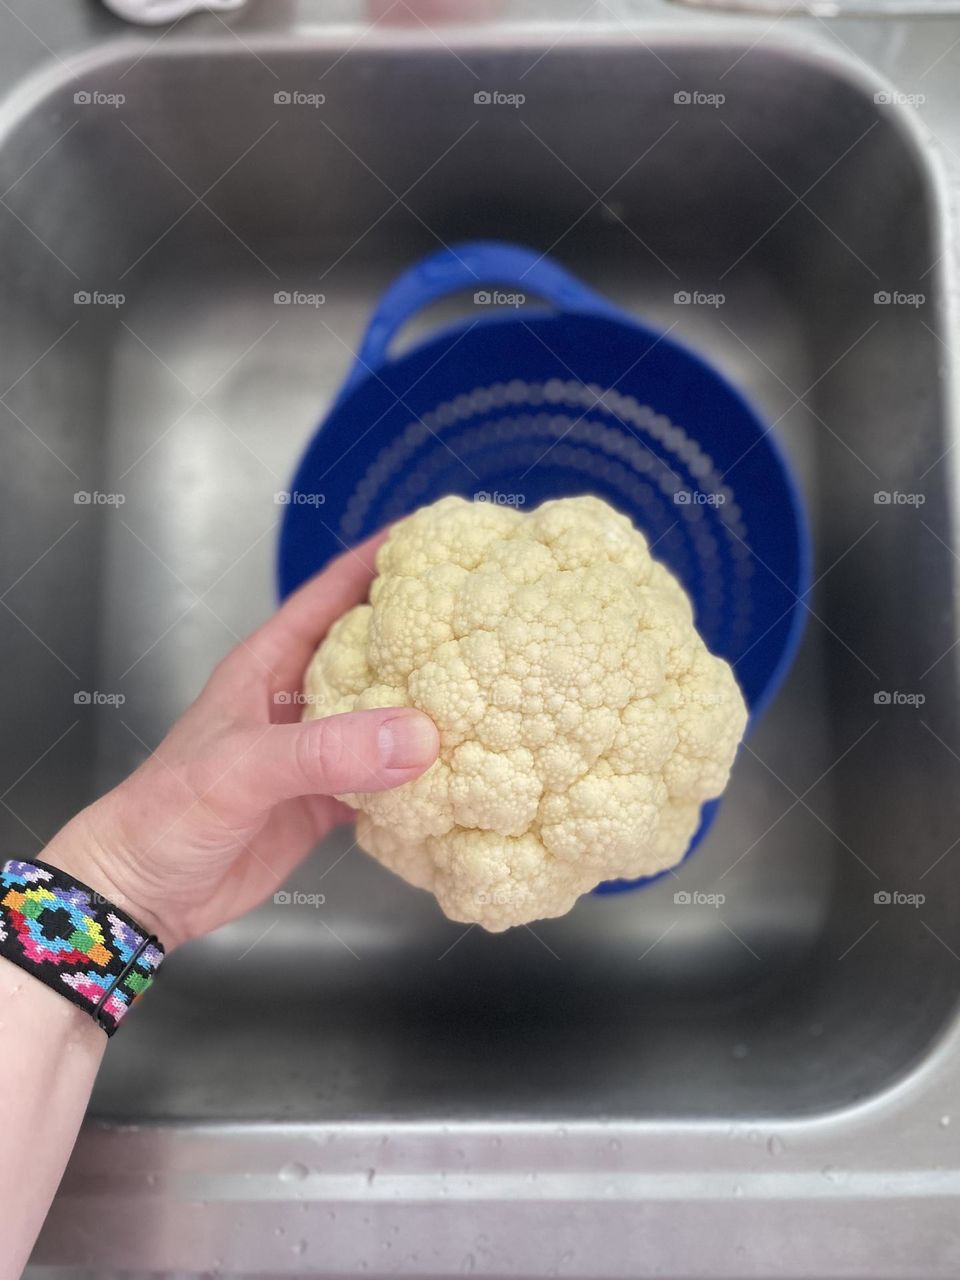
x=582, y=720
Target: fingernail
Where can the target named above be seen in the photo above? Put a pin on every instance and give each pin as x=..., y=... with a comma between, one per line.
x=407, y=741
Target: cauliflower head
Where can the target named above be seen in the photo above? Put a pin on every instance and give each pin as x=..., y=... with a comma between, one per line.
x=582, y=720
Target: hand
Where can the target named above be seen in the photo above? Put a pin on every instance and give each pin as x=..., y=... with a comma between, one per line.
x=240, y=791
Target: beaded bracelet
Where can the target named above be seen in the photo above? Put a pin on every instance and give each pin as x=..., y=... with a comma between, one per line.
x=74, y=941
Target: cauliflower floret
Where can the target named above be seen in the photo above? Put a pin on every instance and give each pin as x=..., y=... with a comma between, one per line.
x=582, y=720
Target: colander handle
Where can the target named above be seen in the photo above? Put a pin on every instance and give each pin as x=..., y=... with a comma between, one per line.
x=478, y=265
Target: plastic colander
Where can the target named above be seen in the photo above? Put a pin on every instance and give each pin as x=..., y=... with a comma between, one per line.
x=522, y=405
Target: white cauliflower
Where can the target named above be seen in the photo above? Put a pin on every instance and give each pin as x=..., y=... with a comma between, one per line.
x=582, y=720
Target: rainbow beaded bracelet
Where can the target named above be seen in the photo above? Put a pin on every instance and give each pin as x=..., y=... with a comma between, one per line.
x=75, y=941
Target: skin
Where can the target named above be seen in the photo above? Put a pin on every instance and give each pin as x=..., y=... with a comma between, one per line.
x=236, y=795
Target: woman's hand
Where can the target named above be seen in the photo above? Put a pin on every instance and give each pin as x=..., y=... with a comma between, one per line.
x=232, y=799
x=240, y=791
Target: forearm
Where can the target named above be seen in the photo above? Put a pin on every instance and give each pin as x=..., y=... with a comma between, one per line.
x=235, y=796
x=50, y=1051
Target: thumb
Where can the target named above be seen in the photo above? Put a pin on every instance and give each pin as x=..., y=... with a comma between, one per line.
x=357, y=751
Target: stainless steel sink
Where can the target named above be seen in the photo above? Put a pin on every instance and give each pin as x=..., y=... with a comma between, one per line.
x=651, y=1084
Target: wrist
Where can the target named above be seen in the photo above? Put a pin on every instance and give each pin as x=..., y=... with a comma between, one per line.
x=74, y=938
x=90, y=848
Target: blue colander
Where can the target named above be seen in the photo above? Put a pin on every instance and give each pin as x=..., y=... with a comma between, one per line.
x=574, y=397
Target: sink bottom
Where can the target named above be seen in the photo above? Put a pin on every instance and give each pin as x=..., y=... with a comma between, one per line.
x=193, y=398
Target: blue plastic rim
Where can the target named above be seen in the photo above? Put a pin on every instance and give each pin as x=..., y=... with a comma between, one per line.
x=569, y=398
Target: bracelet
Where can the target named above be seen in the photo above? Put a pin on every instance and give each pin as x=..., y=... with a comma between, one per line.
x=74, y=940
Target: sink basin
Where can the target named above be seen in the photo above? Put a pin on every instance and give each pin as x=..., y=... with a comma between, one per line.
x=783, y=991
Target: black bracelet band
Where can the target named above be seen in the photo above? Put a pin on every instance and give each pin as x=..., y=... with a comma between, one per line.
x=74, y=940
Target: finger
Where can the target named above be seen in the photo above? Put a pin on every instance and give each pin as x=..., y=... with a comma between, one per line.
x=288, y=639
x=283, y=645
x=358, y=751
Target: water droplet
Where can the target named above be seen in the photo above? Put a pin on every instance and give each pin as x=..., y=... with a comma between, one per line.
x=299, y=1247
x=371, y=1174
x=614, y=1144
x=775, y=1145
x=754, y=1135
x=944, y=1121
x=279, y=1231
x=294, y=1172
x=833, y=1174
x=738, y=1190
x=468, y=1264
